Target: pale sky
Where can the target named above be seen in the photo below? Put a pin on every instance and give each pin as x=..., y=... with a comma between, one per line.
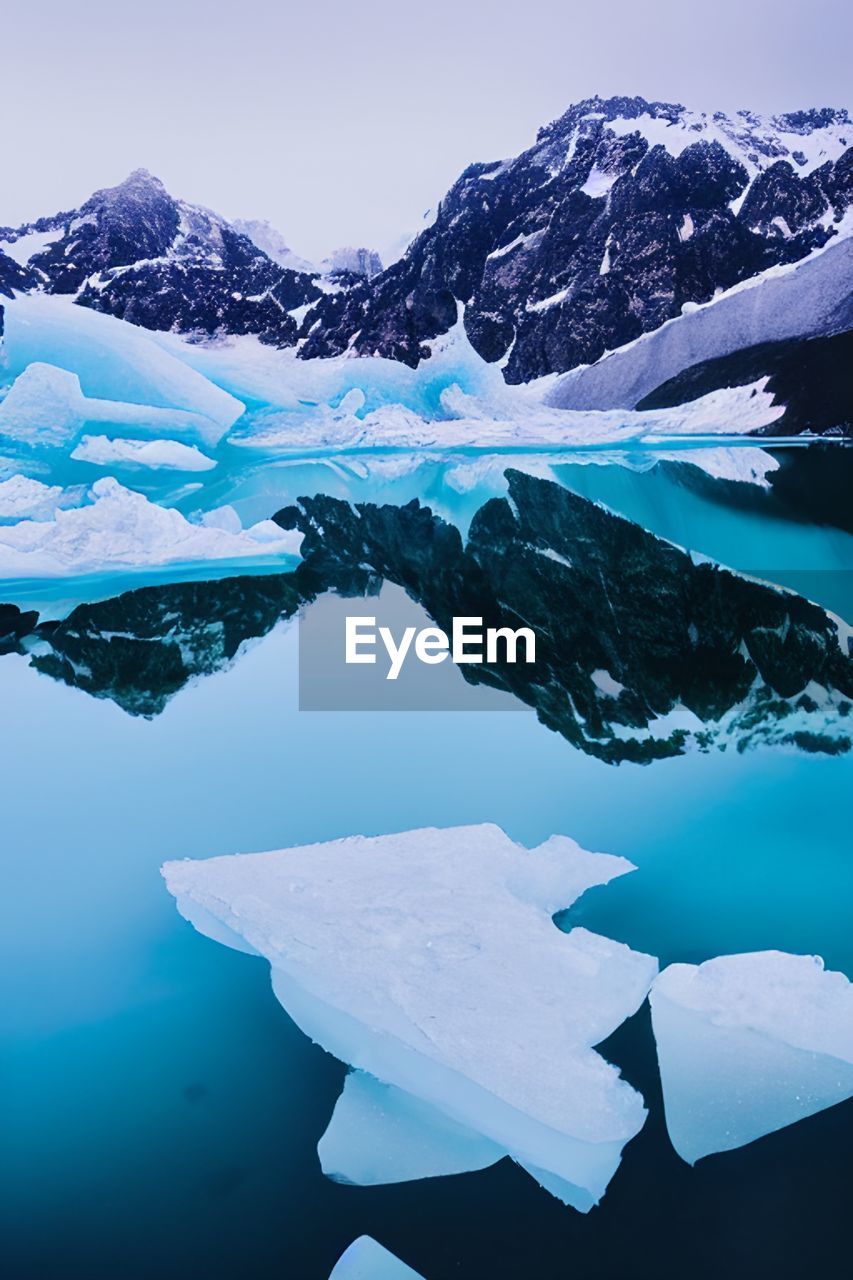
x=341, y=123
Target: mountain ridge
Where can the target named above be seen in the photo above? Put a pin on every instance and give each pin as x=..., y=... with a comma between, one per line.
x=623, y=213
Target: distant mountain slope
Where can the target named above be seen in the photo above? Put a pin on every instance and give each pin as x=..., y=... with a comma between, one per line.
x=811, y=298
x=622, y=212
x=811, y=376
x=135, y=252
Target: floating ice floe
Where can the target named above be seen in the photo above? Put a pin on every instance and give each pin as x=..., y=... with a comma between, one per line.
x=23, y=498
x=167, y=455
x=380, y=1134
x=367, y=1260
x=748, y=1044
x=121, y=375
x=430, y=961
x=121, y=528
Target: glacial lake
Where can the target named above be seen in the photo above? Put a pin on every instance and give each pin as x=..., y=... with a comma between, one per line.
x=161, y=1112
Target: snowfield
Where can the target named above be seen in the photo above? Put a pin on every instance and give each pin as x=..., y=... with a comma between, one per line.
x=429, y=960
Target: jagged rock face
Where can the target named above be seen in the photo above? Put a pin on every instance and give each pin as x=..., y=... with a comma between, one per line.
x=12, y=277
x=15, y=625
x=134, y=252
x=603, y=596
x=599, y=233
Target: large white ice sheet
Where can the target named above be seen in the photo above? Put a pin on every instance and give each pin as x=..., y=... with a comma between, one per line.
x=431, y=961
x=748, y=1044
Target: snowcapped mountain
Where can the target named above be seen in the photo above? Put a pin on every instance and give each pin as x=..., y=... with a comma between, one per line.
x=621, y=213
x=135, y=252
x=621, y=218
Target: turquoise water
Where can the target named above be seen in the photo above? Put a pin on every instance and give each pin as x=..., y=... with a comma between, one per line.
x=158, y=1100
x=160, y=1113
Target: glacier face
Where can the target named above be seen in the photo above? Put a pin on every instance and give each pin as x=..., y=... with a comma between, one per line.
x=430, y=961
x=367, y=1260
x=748, y=1044
x=112, y=362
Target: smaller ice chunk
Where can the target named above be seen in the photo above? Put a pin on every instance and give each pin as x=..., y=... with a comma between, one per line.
x=367, y=1260
x=120, y=529
x=748, y=1044
x=166, y=455
x=44, y=406
x=381, y=1134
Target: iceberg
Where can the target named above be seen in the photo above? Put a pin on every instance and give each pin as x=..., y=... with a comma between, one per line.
x=166, y=455
x=123, y=369
x=120, y=528
x=430, y=961
x=748, y=1044
x=367, y=1260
